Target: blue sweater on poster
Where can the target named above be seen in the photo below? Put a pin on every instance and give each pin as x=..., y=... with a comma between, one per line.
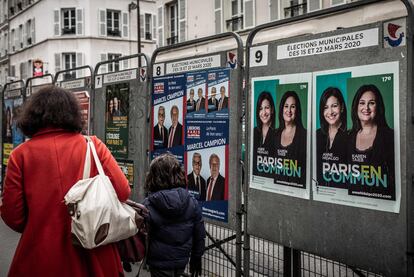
x=176, y=229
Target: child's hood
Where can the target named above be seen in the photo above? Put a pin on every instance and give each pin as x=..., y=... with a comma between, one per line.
x=171, y=202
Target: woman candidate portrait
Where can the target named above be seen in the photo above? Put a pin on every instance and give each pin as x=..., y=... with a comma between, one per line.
x=371, y=140
x=331, y=137
x=264, y=133
x=291, y=139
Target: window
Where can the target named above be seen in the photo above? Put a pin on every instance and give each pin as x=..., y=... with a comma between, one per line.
x=69, y=61
x=12, y=34
x=112, y=23
x=148, y=26
x=293, y=8
x=29, y=32
x=235, y=23
x=68, y=21
x=172, y=11
x=113, y=67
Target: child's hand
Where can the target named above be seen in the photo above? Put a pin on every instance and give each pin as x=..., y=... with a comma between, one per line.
x=195, y=266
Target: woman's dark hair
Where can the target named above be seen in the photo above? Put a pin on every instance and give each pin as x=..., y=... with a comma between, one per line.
x=379, y=118
x=165, y=173
x=265, y=95
x=298, y=115
x=335, y=92
x=52, y=107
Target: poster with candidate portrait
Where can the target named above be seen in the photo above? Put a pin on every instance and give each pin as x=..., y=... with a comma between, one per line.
x=206, y=146
x=168, y=115
x=356, y=127
x=280, y=134
x=116, y=119
x=196, y=84
x=218, y=93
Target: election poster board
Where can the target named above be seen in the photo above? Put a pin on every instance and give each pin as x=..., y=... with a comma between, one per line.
x=116, y=119
x=12, y=135
x=356, y=126
x=281, y=137
x=193, y=124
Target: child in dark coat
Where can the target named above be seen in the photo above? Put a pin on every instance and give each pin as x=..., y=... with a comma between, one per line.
x=176, y=226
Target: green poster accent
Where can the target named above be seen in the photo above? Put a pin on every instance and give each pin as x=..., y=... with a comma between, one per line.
x=338, y=80
x=385, y=84
x=259, y=87
x=116, y=119
x=301, y=90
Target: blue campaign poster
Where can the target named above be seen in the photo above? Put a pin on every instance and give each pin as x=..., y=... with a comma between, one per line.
x=168, y=115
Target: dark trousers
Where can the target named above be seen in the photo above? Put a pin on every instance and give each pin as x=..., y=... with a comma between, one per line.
x=156, y=272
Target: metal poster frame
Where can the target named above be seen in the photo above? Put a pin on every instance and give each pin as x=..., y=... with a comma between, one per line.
x=136, y=158
x=292, y=257
x=235, y=130
x=79, y=84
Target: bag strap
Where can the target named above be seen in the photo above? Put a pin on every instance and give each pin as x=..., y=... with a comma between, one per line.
x=95, y=156
x=87, y=166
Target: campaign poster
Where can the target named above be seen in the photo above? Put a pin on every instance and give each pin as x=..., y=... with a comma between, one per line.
x=207, y=147
x=196, y=95
x=280, y=144
x=84, y=103
x=127, y=168
x=116, y=119
x=356, y=125
x=12, y=136
x=168, y=116
x=218, y=93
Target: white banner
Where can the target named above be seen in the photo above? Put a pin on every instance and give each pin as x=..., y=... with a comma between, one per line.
x=331, y=44
x=120, y=76
x=193, y=64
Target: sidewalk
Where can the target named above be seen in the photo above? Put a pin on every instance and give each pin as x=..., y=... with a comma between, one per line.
x=8, y=243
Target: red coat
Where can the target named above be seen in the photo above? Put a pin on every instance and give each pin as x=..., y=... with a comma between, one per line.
x=39, y=174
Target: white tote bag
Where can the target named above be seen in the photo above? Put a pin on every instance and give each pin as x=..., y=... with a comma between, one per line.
x=98, y=217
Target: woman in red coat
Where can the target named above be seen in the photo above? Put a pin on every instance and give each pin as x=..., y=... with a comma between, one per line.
x=39, y=173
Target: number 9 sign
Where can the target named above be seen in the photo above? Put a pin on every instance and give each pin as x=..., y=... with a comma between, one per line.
x=259, y=55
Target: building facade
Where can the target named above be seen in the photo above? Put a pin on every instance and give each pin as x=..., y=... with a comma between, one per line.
x=68, y=33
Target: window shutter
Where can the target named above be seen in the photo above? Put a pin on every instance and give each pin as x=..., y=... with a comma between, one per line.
x=274, y=9
x=56, y=22
x=103, y=68
x=160, y=26
x=25, y=33
x=314, y=5
x=102, y=22
x=80, y=59
x=182, y=20
x=218, y=16
x=125, y=25
x=33, y=30
x=79, y=22
x=124, y=64
x=142, y=25
x=249, y=14
x=16, y=38
x=57, y=62
x=154, y=26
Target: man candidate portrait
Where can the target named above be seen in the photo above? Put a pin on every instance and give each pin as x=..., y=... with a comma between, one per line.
x=160, y=131
x=215, y=183
x=200, y=105
x=176, y=130
x=196, y=183
x=212, y=101
x=224, y=100
x=191, y=103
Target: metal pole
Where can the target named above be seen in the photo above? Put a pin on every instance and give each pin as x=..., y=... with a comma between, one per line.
x=139, y=33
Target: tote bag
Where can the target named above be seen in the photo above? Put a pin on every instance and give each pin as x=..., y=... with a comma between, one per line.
x=98, y=217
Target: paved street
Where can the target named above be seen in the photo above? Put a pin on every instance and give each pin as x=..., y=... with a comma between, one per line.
x=8, y=243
